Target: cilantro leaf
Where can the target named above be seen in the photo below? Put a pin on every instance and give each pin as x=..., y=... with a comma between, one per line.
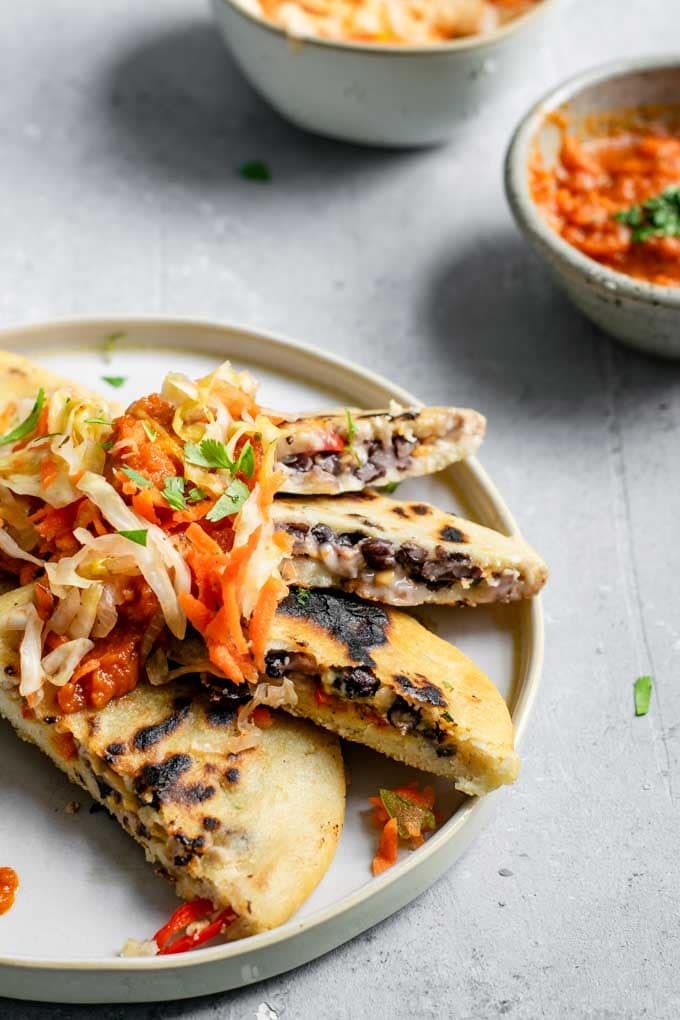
x=137, y=535
x=173, y=493
x=115, y=380
x=209, y=453
x=255, y=170
x=28, y=424
x=389, y=488
x=643, y=694
x=195, y=495
x=302, y=596
x=230, y=502
x=657, y=217
x=150, y=431
x=138, y=479
x=246, y=460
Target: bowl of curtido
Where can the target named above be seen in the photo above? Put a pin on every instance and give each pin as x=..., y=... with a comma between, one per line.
x=382, y=72
x=592, y=176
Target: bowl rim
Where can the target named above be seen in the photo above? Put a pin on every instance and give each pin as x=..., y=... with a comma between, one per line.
x=480, y=42
x=524, y=209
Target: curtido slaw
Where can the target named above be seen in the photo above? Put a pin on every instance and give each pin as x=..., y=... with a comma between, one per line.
x=405, y=22
x=132, y=525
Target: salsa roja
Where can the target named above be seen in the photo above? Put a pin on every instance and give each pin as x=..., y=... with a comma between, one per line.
x=9, y=883
x=598, y=192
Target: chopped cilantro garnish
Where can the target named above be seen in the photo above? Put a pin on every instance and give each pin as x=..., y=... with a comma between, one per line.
x=657, y=217
x=110, y=343
x=302, y=596
x=98, y=421
x=107, y=445
x=195, y=495
x=230, y=502
x=447, y=716
x=643, y=694
x=137, y=535
x=150, y=431
x=246, y=460
x=173, y=493
x=28, y=424
x=209, y=453
x=115, y=380
x=255, y=170
x=390, y=488
x=138, y=479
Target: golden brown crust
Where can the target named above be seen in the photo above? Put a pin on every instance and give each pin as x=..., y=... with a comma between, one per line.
x=338, y=631
x=255, y=830
x=436, y=437
x=503, y=567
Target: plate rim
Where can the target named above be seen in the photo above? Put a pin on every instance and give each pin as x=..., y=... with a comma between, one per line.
x=473, y=810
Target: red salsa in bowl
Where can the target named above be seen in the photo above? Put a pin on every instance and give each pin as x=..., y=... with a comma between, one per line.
x=616, y=196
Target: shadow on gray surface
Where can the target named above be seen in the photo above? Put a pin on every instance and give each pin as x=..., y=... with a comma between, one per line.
x=181, y=109
x=494, y=316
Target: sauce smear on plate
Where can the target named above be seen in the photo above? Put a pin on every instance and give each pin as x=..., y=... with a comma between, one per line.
x=9, y=883
x=616, y=199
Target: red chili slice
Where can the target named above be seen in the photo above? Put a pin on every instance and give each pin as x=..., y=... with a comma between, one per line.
x=187, y=942
x=183, y=916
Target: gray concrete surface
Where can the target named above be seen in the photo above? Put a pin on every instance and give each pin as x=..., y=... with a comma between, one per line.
x=121, y=124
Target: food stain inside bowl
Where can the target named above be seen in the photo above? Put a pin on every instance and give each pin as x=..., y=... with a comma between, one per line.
x=611, y=188
x=399, y=22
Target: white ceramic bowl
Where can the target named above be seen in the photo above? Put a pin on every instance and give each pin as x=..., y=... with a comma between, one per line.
x=377, y=94
x=642, y=315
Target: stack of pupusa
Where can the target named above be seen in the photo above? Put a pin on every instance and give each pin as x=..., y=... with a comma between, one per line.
x=171, y=774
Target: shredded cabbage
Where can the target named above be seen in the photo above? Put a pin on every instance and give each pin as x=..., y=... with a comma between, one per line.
x=60, y=664
x=12, y=548
x=30, y=653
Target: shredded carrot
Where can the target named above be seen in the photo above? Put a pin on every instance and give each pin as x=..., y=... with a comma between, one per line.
x=261, y=621
x=44, y=600
x=233, y=619
x=199, y=616
x=27, y=572
x=144, y=504
x=408, y=822
x=386, y=854
x=202, y=541
x=53, y=641
x=224, y=660
x=423, y=798
x=235, y=400
x=42, y=427
x=48, y=471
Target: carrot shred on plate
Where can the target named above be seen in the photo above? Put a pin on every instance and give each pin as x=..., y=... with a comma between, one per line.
x=403, y=813
x=386, y=854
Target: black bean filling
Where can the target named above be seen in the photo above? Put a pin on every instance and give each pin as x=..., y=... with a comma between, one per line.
x=436, y=570
x=355, y=682
x=379, y=459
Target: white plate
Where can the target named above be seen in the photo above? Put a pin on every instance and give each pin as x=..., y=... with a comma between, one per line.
x=85, y=886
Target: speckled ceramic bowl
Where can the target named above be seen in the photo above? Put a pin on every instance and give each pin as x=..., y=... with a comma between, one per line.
x=377, y=94
x=642, y=315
